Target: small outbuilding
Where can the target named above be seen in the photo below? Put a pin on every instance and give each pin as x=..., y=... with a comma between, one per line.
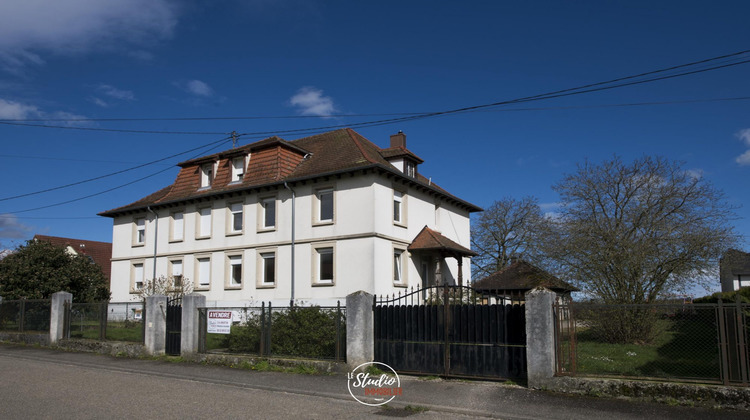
x=518, y=278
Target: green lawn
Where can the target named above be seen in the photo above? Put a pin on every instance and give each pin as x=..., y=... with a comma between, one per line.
x=685, y=348
x=116, y=331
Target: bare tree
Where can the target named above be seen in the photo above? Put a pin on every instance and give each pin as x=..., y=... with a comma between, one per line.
x=508, y=228
x=169, y=286
x=632, y=233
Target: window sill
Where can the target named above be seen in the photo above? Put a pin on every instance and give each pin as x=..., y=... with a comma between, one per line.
x=202, y=288
x=401, y=285
x=267, y=229
x=400, y=224
x=137, y=245
x=233, y=287
x=233, y=233
x=201, y=238
x=323, y=223
x=265, y=286
x=323, y=284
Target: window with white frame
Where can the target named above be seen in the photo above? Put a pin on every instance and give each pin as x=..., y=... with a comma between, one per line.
x=238, y=169
x=268, y=213
x=138, y=280
x=203, y=272
x=176, y=273
x=204, y=222
x=399, y=262
x=398, y=207
x=324, y=268
x=177, y=229
x=235, y=270
x=325, y=205
x=139, y=237
x=235, y=218
x=411, y=169
x=207, y=175
x=266, y=268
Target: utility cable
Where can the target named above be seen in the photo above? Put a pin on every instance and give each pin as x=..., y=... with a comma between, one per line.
x=115, y=173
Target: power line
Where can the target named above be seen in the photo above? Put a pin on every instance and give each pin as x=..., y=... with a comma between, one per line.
x=107, y=190
x=727, y=60
x=115, y=173
x=111, y=130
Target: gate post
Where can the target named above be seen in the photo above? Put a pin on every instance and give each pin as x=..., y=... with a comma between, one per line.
x=360, y=343
x=540, y=337
x=57, y=315
x=156, y=324
x=189, y=338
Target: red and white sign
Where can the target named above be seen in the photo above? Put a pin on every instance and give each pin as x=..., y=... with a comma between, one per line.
x=219, y=322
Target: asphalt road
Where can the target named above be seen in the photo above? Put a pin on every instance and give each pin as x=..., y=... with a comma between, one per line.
x=41, y=383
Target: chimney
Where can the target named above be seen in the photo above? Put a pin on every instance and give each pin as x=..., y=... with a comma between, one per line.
x=398, y=140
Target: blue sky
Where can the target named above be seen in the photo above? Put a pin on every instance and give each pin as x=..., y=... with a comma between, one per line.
x=344, y=62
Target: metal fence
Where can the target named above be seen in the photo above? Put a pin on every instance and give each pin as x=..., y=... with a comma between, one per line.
x=116, y=321
x=25, y=315
x=690, y=342
x=314, y=332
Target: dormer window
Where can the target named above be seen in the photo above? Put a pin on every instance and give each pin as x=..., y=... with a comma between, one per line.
x=238, y=169
x=207, y=175
x=410, y=169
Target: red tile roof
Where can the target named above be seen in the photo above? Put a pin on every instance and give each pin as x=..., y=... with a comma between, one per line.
x=100, y=252
x=430, y=240
x=522, y=275
x=274, y=161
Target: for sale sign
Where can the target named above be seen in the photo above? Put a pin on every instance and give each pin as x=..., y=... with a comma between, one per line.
x=219, y=322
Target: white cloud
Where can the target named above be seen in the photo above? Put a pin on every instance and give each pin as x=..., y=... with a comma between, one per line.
x=99, y=102
x=116, y=93
x=694, y=173
x=11, y=110
x=198, y=88
x=744, y=159
x=744, y=135
x=31, y=29
x=310, y=101
x=12, y=228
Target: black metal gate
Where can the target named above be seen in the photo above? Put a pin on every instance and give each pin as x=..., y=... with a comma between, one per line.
x=452, y=331
x=174, y=326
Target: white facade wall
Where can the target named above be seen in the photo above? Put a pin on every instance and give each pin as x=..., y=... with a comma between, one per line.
x=363, y=236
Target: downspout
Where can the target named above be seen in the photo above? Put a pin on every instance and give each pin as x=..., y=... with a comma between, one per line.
x=294, y=196
x=156, y=236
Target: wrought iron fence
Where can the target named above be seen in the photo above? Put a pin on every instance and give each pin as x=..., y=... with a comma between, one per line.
x=690, y=342
x=315, y=332
x=25, y=315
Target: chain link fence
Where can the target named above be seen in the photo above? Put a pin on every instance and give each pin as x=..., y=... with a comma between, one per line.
x=314, y=332
x=690, y=342
x=25, y=315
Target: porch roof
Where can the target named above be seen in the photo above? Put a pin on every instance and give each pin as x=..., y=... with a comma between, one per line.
x=430, y=240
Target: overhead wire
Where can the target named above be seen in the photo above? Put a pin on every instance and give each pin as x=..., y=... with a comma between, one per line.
x=110, y=189
x=115, y=173
x=728, y=60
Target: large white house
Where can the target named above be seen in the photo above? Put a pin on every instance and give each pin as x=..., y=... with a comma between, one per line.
x=310, y=220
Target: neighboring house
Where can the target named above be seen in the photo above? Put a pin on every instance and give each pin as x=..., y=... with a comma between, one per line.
x=312, y=220
x=99, y=253
x=519, y=277
x=734, y=270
